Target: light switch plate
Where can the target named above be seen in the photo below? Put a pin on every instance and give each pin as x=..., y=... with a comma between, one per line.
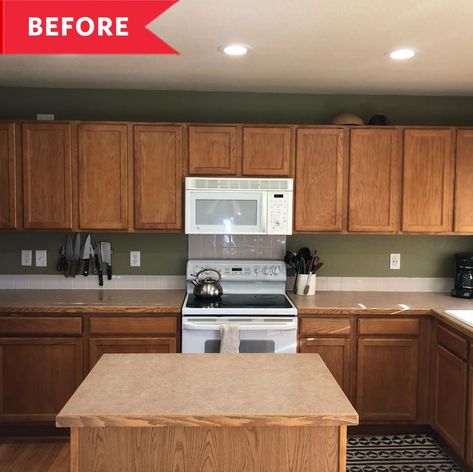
x=26, y=257
x=135, y=258
x=41, y=258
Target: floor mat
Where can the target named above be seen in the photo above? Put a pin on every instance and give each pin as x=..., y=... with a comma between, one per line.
x=403, y=453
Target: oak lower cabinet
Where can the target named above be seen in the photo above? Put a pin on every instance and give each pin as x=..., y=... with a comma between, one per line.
x=8, y=176
x=158, y=174
x=49, y=165
x=103, y=176
x=267, y=151
x=428, y=179
x=387, y=379
x=469, y=451
x=319, y=177
x=38, y=375
x=451, y=388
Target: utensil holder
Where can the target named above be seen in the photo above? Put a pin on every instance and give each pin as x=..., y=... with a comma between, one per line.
x=302, y=281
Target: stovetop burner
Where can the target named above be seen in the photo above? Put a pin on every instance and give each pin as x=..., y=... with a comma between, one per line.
x=243, y=301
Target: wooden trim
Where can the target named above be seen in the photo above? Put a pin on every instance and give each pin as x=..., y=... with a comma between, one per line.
x=75, y=454
x=342, y=449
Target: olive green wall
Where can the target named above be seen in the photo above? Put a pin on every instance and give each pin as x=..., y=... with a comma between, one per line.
x=344, y=255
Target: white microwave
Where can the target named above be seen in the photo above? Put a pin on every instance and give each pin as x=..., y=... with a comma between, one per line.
x=238, y=206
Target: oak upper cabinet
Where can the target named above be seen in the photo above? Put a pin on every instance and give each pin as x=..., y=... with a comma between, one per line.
x=214, y=150
x=427, y=204
x=464, y=182
x=374, y=180
x=103, y=176
x=48, y=176
x=267, y=151
x=158, y=162
x=38, y=376
x=451, y=387
x=8, y=177
x=319, y=179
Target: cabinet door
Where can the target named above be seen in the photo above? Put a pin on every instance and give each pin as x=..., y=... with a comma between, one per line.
x=8, y=176
x=387, y=378
x=336, y=353
x=469, y=452
x=319, y=180
x=38, y=376
x=374, y=180
x=103, y=176
x=464, y=182
x=158, y=177
x=213, y=150
x=451, y=385
x=47, y=176
x=267, y=151
x=427, y=204
x=100, y=346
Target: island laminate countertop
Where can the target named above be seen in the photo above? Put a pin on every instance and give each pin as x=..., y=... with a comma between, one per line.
x=151, y=390
x=91, y=301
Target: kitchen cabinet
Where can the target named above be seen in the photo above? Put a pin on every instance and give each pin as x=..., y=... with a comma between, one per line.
x=267, y=151
x=38, y=376
x=48, y=175
x=214, y=150
x=319, y=176
x=336, y=354
x=428, y=174
x=103, y=176
x=387, y=379
x=8, y=176
x=469, y=452
x=450, y=388
x=464, y=182
x=159, y=172
x=374, y=180
x=100, y=346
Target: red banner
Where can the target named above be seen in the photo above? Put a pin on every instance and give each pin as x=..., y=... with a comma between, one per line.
x=81, y=27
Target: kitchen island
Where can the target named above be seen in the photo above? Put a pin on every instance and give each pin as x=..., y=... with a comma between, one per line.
x=208, y=413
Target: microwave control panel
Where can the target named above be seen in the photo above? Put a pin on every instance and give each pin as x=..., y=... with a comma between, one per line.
x=280, y=213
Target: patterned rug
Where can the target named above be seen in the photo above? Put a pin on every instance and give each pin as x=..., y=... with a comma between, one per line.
x=403, y=453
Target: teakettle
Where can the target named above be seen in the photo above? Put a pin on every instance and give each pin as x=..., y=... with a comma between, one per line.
x=208, y=287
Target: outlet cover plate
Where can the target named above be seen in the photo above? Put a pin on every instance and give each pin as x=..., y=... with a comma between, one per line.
x=41, y=258
x=135, y=258
x=395, y=262
x=26, y=257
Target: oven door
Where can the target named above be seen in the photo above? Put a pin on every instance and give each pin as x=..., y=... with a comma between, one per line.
x=201, y=334
x=225, y=212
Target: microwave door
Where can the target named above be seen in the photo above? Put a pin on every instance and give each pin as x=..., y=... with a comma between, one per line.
x=225, y=212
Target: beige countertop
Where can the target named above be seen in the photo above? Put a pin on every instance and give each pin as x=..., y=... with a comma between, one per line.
x=91, y=301
x=148, y=390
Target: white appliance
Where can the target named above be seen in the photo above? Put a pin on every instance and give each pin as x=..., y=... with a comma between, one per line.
x=238, y=206
x=254, y=297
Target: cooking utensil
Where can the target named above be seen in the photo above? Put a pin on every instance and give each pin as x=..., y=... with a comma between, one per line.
x=307, y=285
x=207, y=287
x=62, y=264
x=106, y=250
x=86, y=253
x=317, y=266
x=98, y=262
x=305, y=253
x=69, y=255
x=74, y=267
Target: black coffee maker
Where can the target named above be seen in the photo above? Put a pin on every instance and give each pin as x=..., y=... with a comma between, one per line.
x=463, y=276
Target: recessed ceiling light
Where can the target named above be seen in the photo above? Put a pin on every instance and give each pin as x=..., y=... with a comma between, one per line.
x=234, y=49
x=402, y=54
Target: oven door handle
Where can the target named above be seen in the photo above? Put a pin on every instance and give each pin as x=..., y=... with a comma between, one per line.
x=257, y=326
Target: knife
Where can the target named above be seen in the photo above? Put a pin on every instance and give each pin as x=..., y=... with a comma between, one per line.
x=86, y=253
x=98, y=263
x=69, y=255
x=76, y=257
x=106, y=250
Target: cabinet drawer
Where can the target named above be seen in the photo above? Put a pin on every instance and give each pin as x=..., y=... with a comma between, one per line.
x=321, y=326
x=141, y=325
x=40, y=325
x=396, y=326
x=453, y=342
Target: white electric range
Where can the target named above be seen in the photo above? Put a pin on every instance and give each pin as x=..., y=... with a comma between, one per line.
x=254, y=297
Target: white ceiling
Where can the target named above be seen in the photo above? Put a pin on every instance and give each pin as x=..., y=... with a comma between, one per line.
x=313, y=46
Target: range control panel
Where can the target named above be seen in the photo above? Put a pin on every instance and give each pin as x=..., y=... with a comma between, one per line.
x=240, y=270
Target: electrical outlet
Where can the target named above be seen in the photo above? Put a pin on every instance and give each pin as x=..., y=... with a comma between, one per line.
x=41, y=258
x=135, y=258
x=395, y=262
x=26, y=257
